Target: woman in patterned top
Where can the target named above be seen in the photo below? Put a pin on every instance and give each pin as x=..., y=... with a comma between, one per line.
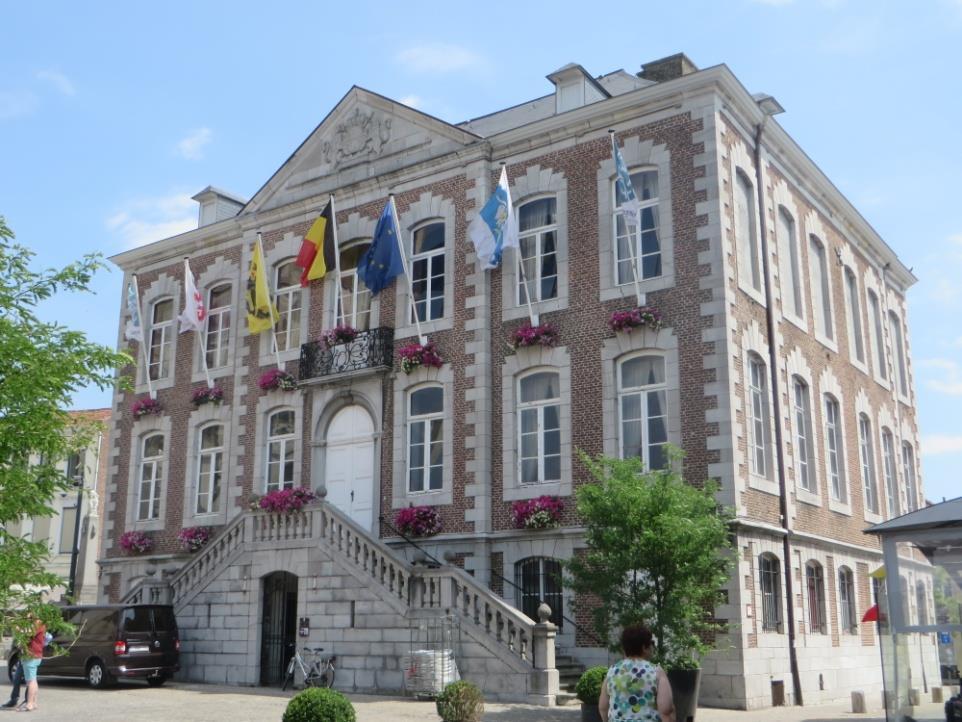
x=634, y=688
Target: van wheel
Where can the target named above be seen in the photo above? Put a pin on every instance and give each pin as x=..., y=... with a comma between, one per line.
x=156, y=681
x=97, y=675
x=12, y=666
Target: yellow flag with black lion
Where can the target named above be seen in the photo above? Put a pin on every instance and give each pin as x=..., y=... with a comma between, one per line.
x=261, y=311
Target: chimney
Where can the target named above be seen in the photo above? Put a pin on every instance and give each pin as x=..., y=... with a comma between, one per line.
x=217, y=205
x=674, y=66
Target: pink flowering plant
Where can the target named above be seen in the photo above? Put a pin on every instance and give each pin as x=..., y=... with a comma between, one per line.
x=193, y=538
x=541, y=513
x=146, y=407
x=207, y=395
x=627, y=321
x=276, y=379
x=342, y=333
x=418, y=521
x=136, y=542
x=544, y=334
x=286, y=501
x=415, y=355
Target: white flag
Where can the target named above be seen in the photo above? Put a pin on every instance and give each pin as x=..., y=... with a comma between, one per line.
x=495, y=227
x=134, y=330
x=194, y=315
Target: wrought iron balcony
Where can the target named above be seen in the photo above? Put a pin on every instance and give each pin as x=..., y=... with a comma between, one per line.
x=369, y=351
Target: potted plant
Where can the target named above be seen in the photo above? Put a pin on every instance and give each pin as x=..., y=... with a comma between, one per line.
x=641, y=317
x=544, y=334
x=460, y=701
x=316, y=704
x=670, y=573
x=193, y=538
x=418, y=521
x=541, y=513
x=285, y=501
x=276, y=379
x=207, y=395
x=588, y=690
x=415, y=355
x=136, y=542
x=342, y=333
x=146, y=407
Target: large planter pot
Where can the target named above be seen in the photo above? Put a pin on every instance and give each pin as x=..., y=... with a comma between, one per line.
x=684, y=689
x=590, y=713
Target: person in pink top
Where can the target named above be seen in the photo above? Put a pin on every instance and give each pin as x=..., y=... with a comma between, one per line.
x=32, y=657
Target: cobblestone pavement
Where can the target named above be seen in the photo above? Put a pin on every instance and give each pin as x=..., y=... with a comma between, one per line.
x=72, y=701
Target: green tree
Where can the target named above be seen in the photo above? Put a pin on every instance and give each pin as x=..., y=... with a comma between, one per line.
x=41, y=365
x=657, y=552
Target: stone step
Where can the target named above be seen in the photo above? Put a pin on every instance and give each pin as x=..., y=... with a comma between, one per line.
x=563, y=698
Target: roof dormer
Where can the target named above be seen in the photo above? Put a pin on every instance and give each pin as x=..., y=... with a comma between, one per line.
x=574, y=87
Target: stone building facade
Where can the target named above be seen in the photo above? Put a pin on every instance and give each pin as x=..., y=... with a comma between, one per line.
x=804, y=284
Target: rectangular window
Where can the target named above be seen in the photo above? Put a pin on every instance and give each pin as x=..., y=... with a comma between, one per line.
x=908, y=471
x=68, y=528
x=75, y=468
x=639, y=247
x=867, y=457
x=427, y=272
x=151, y=474
x=643, y=409
x=891, y=485
x=353, y=300
x=846, y=601
x=287, y=281
x=280, y=450
x=539, y=428
x=161, y=337
x=426, y=439
x=788, y=252
x=758, y=416
x=878, y=340
x=815, y=586
x=770, y=584
x=538, y=255
x=803, y=436
x=210, y=470
x=746, y=240
x=217, y=338
x=836, y=456
x=821, y=289
x=898, y=349
x=856, y=342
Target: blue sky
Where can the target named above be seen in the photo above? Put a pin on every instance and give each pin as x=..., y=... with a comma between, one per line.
x=113, y=114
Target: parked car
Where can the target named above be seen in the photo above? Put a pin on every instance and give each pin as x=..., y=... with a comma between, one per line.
x=130, y=641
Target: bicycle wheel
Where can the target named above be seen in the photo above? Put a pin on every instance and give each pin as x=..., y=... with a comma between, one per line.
x=289, y=676
x=326, y=678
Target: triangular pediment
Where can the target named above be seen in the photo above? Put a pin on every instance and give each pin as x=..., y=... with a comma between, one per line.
x=364, y=136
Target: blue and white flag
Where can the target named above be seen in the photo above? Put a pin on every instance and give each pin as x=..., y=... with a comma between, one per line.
x=495, y=227
x=134, y=331
x=625, y=198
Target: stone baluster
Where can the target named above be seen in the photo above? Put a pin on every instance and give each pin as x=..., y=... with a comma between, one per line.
x=544, y=678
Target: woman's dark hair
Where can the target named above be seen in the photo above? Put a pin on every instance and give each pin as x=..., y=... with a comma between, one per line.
x=635, y=639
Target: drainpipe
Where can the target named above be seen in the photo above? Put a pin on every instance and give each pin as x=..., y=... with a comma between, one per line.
x=777, y=411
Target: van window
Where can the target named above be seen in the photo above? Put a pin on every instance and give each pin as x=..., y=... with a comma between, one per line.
x=99, y=624
x=136, y=619
x=164, y=619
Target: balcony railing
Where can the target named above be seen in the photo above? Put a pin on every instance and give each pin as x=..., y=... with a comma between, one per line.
x=370, y=350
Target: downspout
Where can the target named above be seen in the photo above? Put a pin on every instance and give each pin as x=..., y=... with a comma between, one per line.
x=777, y=411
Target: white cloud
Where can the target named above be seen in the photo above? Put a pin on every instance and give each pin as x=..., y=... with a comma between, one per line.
x=412, y=101
x=58, y=80
x=941, y=444
x=951, y=381
x=16, y=104
x=440, y=58
x=191, y=146
x=145, y=220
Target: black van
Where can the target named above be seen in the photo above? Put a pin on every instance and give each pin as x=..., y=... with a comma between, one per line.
x=116, y=641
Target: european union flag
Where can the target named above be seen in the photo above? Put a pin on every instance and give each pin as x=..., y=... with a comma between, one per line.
x=382, y=262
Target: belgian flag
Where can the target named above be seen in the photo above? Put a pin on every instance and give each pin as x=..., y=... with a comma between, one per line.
x=317, y=254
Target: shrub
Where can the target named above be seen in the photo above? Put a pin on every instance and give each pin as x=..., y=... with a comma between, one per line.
x=319, y=705
x=418, y=521
x=460, y=701
x=588, y=689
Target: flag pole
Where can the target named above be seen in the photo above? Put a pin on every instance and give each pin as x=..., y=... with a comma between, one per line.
x=143, y=339
x=271, y=300
x=532, y=316
x=337, y=264
x=200, y=339
x=639, y=295
x=422, y=339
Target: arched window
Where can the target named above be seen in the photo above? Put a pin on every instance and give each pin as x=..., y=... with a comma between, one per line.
x=538, y=255
x=427, y=271
x=854, y=316
x=802, y=410
x=161, y=337
x=846, y=601
x=866, y=452
x=353, y=300
x=746, y=240
x=151, y=475
x=538, y=579
x=821, y=288
x=758, y=416
x=210, y=469
x=878, y=341
x=891, y=483
x=539, y=427
x=426, y=439
x=908, y=472
x=898, y=349
x=642, y=406
x=280, y=450
x=770, y=584
x=835, y=452
x=638, y=245
x=791, y=274
x=921, y=603
x=217, y=342
x=815, y=589
x=287, y=298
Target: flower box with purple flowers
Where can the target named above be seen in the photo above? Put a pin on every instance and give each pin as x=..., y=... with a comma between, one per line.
x=277, y=379
x=418, y=521
x=136, y=542
x=541, y=513
x=415, y=355
x=627, y=321
x=193, y=538
x=146, y=407
x=286, y=501
x=342, y=333
x=207, y=395
x=544, y=334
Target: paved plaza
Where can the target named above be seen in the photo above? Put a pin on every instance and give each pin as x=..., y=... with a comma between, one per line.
x=72, y=701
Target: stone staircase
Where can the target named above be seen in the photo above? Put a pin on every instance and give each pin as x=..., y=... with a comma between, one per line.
x=569, y=672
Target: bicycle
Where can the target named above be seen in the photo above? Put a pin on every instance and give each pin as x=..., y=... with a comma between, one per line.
x=319, y=673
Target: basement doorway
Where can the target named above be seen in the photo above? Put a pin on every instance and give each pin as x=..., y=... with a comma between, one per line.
x=278, y=626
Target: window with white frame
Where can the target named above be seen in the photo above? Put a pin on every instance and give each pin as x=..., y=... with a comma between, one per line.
x=151, y=474
x=161, y=338
x=854, y=316
x=537, y=580
x=834, y=450
x=280, y=450
x=427, y=271
x=539, y=427
x=68, y=529
x=866, y=451
x=821, y=289
x=426, y=439
x=878, y=340
x=287, y=299
x=770, y=584
x=353, y=302
x=908, y=472
x=638, y=245
x=895, y=323
x=217, y=337
x=538, y=241
x=749, y=254
x=846, y=601
x=210, y=469
x=643, y=410
x=802, y=410
x=815, y=589
x=788, y=250
x=888, y=465
x=758, y=416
